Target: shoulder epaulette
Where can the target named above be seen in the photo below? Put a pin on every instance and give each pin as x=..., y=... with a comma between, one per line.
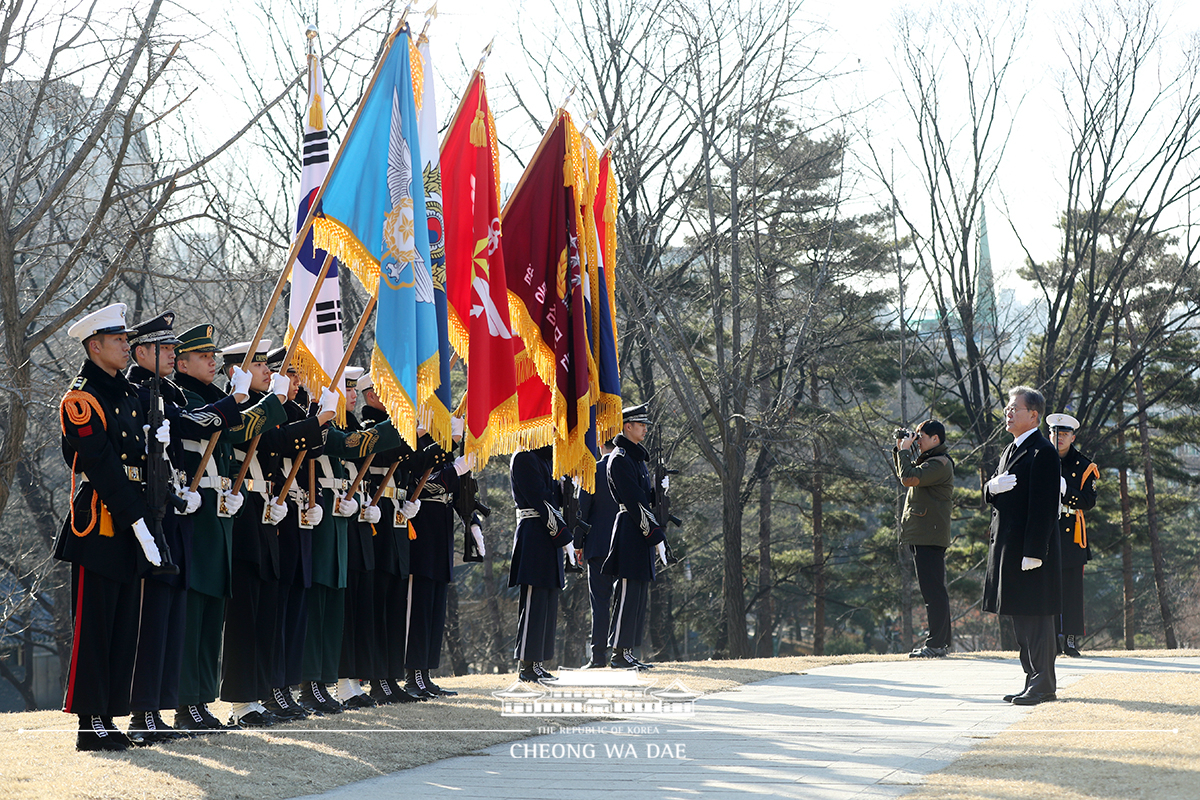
x=618, y=451
x=78, y=383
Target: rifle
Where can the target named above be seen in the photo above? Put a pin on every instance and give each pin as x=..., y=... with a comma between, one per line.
x=662, y=501
x=158, y=476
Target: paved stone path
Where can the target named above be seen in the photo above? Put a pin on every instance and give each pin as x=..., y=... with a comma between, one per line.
x=861, y=731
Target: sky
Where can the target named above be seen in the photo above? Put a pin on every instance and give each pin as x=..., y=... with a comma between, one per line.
x=857, y=41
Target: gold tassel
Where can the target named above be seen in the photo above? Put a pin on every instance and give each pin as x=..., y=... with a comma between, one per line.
x=412, y=532
x=316, y=115
x=479, y=129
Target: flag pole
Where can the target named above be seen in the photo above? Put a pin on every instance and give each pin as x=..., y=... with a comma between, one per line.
x=612, y=139
x=487, y=51
x=287, y=359
x=541, y=146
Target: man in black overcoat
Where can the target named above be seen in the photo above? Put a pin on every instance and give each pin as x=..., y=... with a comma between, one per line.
x=1024, y=579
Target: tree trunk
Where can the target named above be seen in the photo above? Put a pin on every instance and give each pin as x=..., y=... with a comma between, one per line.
x=764, y=644
x=1126, y=546
x=733, y=590
x=818, y=538
x=1160, y=570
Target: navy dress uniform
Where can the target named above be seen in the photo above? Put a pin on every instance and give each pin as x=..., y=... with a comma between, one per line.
x=636, y=534
x=537, y=560
x=599, y=510
x=103, y=444
x=163, y=611
x=1080, y=475
x=210, y=568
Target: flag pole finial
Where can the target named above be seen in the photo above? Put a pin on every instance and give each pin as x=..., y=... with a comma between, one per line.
x=590, y=119
x=311, y=33
x=487, y=51
x=612, y=137
x=567, y=99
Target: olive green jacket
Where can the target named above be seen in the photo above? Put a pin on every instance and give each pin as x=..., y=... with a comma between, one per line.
x=930, y=481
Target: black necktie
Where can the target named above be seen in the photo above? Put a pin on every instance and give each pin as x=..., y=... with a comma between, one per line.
x=1006, y=455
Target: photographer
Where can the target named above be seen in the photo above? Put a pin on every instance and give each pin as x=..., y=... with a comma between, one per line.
x=928, y=473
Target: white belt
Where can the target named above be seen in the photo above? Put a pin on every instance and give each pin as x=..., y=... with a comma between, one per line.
x=210, y=468
x=256, y=482
x=393, y=492
x=218, y=482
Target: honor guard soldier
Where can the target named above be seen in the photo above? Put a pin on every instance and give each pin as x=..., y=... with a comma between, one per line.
x=105, y=536
x=391, y=543
x=431, y=567
x=1079, y=476
x=330, y=558
x=599, y=510
x=636, y=538
x=251, y=626
x=210, y=565
x=537, y=558
x=164, y=595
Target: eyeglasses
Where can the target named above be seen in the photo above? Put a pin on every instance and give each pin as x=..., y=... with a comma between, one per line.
x=1011, y=407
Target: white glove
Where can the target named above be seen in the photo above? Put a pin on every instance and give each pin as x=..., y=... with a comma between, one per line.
x=371, y=514
x=456, y=426
x=276, y=511
x=329, y=402
x=345, y=506
x=410, y=508
x=666, y=482
x=240, y=381
x=280, y=385
x=314, y=514
x=1028, y=563
x=571, y=554
x=1062, y=485
x=661, y=549
x=233, y=502
x=147, y=542
x=192, y=498
x=477, y=532
x=163, y=434
x=463, y=464
x=1004, y=482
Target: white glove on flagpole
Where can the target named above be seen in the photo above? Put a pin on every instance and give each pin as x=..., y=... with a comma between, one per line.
x=571, y=554
x=456, y=426
x=280, y=385
x=193, y=500
x=314, y=514
x=233, y=502
x=410, y=508
x=372, y=514
x=276, y=511
x=147, y=542
x=240, y=381
x=346, y=506
x=1062, y=485
x=163, y=434
x=463, y=464
x=329, y=402
x=477, y=532
x=1004, y=482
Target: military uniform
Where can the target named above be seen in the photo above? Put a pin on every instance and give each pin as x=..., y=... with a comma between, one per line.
x=1081, y=475
x=537, y=561
x=210, y=566
x=631, y=556
x=599, y=510
x=163, y=611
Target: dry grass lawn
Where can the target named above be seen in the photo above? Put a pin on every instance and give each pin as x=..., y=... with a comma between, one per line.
x=38, y=760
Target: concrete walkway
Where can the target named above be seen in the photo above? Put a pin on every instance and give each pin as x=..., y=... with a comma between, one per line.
x=851, y=731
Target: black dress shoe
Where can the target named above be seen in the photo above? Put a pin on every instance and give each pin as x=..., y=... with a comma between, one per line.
x=415, y=685
x=314, y=694
x=1070, y=649
x=197, y=719
x=929, y=652
x=281, y=704
x=542, y=672
x=94, y=736
x=254, y=719
x=622, y=658
x=527, y=673
x=438, y=690
x=383, y=692
x=359, y=701
x=1033, y=698
x=595, y=665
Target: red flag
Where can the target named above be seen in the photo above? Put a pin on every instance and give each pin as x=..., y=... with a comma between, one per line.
x=476, y=291
x=542, y=263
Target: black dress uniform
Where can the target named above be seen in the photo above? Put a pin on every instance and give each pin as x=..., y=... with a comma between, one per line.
x=537, y=561
x=164, y=597
x=431, y=565
x=631, y=556
x=599, y=510
x=391, y=557
x=1081, y=475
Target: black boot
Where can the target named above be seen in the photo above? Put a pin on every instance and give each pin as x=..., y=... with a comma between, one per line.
x=599, y=659
x=197, y=719
x=433, y=687
x=98, y=733
x=315, y=694
x=383, y=692
x=527, y=674
x=281, y=704
x=414, y=684
x=1071, y=647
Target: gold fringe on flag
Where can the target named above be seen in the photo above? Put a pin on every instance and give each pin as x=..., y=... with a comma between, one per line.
x=544, y=362
x=334, y=237
x=608, y=416
x=395, y=399
x=312, y=374
x=501, y=436
x=416, y=66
